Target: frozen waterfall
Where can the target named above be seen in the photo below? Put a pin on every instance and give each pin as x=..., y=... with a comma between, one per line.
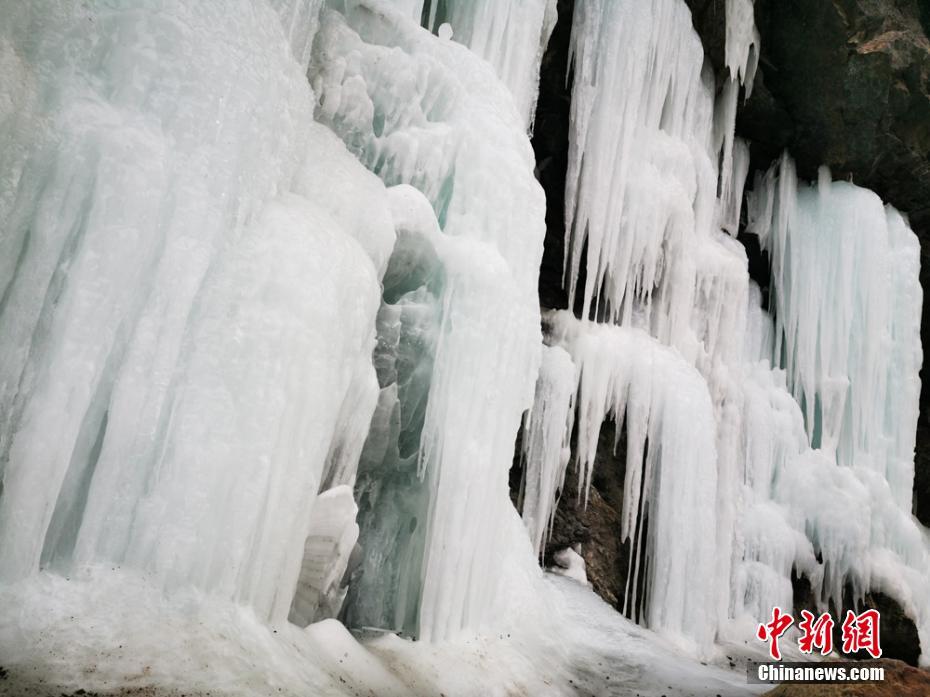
x=270, y=328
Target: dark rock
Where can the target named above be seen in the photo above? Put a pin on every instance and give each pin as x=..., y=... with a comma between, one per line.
x=899, y=639
x=596, y=526
x=897, y=631
x=550, y=143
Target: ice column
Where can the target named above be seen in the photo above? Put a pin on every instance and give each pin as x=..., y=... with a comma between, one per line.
x=546, y=436
x=427, y=112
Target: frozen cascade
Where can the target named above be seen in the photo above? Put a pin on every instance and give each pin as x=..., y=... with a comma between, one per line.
x=639, y=158
x=648, y=198
x=847, y=330
x=428, y=113
x=853, y=354
x=168, y=313
x=626, y=375
x=271, y=371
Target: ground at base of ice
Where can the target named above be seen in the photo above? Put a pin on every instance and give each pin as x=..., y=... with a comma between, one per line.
x=143, y=649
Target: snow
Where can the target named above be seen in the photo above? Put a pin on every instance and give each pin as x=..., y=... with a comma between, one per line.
x=198, y=646
x=570, y=564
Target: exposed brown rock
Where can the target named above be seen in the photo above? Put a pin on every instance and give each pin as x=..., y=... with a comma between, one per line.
x=901, y=680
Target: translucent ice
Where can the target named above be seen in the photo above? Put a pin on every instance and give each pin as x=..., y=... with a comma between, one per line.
x=426, y=112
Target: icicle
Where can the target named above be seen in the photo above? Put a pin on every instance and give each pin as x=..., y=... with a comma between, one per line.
x=670, y=481
x=742, y=42
x=641, y=182
x=545, y=442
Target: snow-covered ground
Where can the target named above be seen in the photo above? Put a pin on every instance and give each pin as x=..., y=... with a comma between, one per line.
x=110, y=633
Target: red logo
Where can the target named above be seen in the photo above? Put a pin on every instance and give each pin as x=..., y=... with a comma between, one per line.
x=816, y=634
x=860, y=632
x=774, y=629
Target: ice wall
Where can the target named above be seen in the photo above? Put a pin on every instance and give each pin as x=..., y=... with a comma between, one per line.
x=184, y=306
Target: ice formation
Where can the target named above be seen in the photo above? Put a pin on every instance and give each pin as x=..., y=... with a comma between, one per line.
x=475, y=225
x=546, y=447
x=168, y=313
x=847, y=329
x=804, y=419
x=510, y=34
x=625, y=375
x=269, y=328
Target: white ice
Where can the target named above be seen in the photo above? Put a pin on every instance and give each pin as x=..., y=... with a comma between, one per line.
x=510, y=34
x=546, y=446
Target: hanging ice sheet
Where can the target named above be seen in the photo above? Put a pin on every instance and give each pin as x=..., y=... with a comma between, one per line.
x=847, y=306
x=847, y=318
x=670, y=484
